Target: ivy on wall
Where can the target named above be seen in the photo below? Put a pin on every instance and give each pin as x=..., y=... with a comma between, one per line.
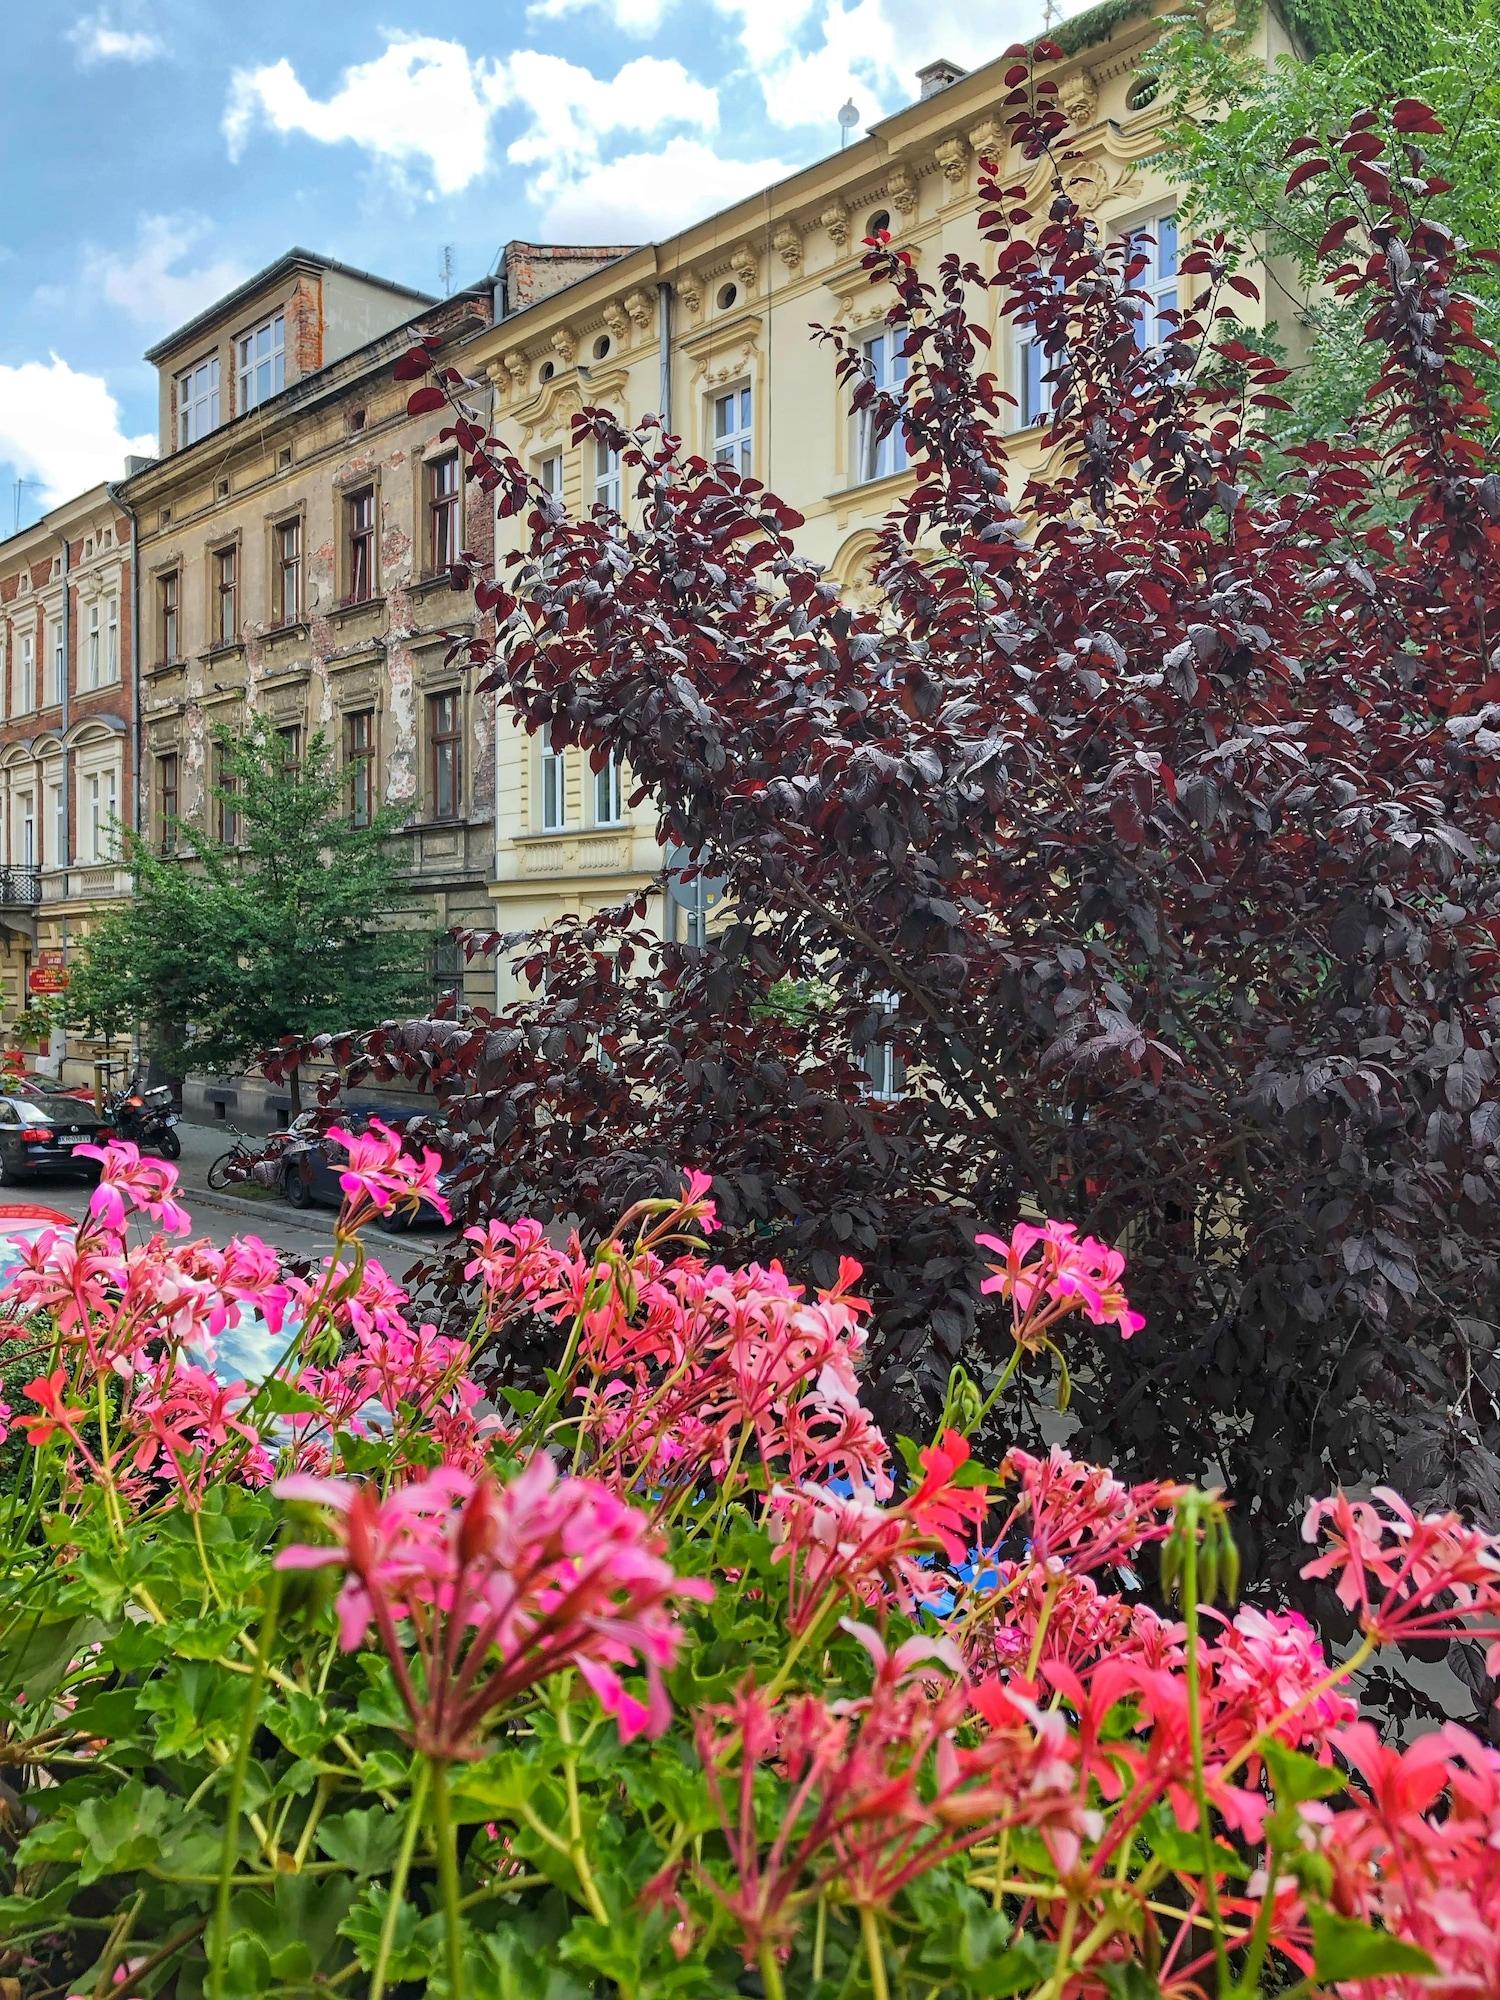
x=1399, y=32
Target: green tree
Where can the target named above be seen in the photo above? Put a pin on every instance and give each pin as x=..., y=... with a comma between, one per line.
x=225, y=949
x=1228, y=151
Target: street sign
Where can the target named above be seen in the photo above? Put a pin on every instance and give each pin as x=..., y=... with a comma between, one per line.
x=51, y=957
x=48, y=979
x=694, y=897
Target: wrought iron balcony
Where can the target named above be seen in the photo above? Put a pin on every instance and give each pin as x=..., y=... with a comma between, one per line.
x=20, y=888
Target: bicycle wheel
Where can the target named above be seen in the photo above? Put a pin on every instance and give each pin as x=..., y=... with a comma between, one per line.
x=218, y=1173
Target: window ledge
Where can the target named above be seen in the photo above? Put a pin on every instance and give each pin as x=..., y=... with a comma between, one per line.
x=884, y=481
x=224, y=648
x=295, y=628
x=164, y=667
x=354, y=607
x=594, y=832
x=431, y=580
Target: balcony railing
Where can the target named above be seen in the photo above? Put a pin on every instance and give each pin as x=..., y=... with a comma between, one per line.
x=20, y=887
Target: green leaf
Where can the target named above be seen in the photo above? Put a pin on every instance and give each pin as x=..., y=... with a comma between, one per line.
x=123, y=1830
x=364, y=1841
x=1345, y=1948
x=417, y=1946
x=1297, y=1777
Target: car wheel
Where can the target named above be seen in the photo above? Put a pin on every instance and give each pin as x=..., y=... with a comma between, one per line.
x=8, y=1174
x=296, y=1190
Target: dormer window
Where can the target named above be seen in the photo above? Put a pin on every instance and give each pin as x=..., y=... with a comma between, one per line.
x=197, y=401
x=260, y=363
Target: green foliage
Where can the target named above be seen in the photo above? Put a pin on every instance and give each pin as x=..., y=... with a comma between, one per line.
x=1227, y=154
x=225, y=950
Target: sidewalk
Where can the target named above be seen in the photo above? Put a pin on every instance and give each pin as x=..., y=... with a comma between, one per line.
x=203, y=1144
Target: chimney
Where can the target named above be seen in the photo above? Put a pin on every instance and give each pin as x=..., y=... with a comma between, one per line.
x=936, y=76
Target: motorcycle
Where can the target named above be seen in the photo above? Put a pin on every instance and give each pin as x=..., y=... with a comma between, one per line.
x=147, y=1117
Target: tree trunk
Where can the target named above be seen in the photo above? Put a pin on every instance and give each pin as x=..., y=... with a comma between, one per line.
x=294, y=1088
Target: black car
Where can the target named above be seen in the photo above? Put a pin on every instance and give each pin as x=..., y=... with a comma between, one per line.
x=40, y=1127
x=310, y=1166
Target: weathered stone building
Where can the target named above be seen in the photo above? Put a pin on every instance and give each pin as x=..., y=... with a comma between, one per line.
x=67, y=740
x=295, y=542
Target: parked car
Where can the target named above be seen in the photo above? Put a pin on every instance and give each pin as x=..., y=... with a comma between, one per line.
x=310, y=1165
x=39, y=1129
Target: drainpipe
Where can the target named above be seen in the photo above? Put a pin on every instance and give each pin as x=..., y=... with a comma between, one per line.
x=664, y=344
x=135, y=656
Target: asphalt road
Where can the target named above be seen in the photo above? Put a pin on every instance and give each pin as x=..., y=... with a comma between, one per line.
x=307, y=1232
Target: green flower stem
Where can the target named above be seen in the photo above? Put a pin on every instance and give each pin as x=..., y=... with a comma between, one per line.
x=265, y=1639
x=398, y=1879
x=869, y=1930
x=447, y=1859
x=1195, y=1744
x=577, y=1850
x=770, y=1973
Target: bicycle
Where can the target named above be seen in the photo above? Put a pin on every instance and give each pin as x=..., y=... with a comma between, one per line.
x=233, y=1167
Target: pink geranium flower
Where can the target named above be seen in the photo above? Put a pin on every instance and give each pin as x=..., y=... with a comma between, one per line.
x=382, y=1178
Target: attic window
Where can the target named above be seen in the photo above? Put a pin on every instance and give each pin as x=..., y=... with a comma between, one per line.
x=283, y=458
x=88, y=548
x=166, y=515
x=601, y=347
x=547, y=370
x=1143, y=91
x=727, y=296
x=878, y=222
x=221, y=490
x=107, y=539
x=356, y=420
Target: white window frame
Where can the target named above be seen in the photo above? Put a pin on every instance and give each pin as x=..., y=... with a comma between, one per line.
x=887, y=369
x=549, y=474
x=59, y=829
x=606, y=476
x=26, y=675
x=249, y=393
x=880, y=1059
x=26, y=828
x=91, y=648
x=197, y=401
x=55, y=665
x=102, y=791
x=609, y=792
x=1159, y=280
x=111, y=640
x=552, y=785
x=731, y=416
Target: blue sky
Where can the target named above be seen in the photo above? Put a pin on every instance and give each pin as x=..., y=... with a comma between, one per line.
x=158, y=151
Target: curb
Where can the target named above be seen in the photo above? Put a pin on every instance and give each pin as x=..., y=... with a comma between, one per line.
x=287, y=1217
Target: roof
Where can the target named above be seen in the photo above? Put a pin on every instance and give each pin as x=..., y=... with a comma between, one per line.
x=289, y=261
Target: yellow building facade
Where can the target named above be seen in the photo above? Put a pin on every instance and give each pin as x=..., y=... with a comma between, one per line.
x=712, y=327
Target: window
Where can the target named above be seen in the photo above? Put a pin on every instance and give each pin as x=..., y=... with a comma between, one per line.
x=260, y=363
x=226, y=596
x=443, y=535
x=1156, y=312
x=878, y=1056
x=606, y=476
x=359, y=762
x=291, y=749
x=26, y=829
x=447, y=971
x=26, y=674
x=732, y=429
x=197, y=401
x=100, y=804
x=609, y=792
x=444, y=740
x=91, y=655
x=359, y=525
x=166, y=800
x=1035, y=397
x=554, y=784
x=886, y=366
x=166, y=616
x=287, y=601
x=54, y=688
x=59, y=824
x=111, y=639
x=550, y=473
x=226, y=791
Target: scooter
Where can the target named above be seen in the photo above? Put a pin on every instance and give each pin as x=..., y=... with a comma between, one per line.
x=146, y=1117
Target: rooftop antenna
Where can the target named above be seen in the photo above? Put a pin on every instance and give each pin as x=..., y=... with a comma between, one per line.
x=848, y=119
x=447, y=270
x=1051, y=14
x=16, y=523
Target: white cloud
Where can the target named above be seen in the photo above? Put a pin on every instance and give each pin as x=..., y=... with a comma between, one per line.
x=573, y=112
x=148, y=281
x=631, y=17
x=420, y=104
x=96, y=39
x=62, y=427
x=639, y=196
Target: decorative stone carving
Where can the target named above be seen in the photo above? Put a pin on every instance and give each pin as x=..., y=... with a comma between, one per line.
x=787, y=243
x=516, y=366
x=726, y=366
x=901, y=186
x=835, y=219
x=690, y=291
x=1078, y=96
x=952, y=155
x=1087, y=183
x=989, y=140
x=618, y=321
x=565, y=346
x=638, y=305
x=742, y=263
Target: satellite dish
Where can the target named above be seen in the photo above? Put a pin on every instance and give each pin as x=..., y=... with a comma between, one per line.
x=848, y=119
